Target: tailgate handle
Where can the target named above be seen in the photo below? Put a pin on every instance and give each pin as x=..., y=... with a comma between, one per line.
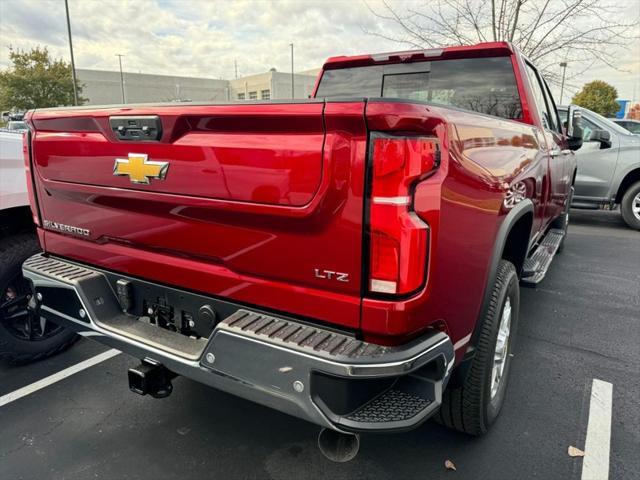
x=145, y=128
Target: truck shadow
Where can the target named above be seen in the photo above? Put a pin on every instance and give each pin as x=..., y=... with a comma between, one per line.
x=598, y=218
x=283, y=447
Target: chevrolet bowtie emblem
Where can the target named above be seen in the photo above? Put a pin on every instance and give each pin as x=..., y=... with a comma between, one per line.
x=140, y=169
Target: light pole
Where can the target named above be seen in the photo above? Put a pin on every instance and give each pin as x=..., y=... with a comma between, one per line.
x=73, y=63
x=564, y=71
x=292, y=90
x=121, y=77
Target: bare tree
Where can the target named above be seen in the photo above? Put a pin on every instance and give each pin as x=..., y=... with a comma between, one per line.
x=546, y=31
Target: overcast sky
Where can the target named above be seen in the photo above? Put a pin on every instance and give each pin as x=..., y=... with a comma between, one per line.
x=203, y=38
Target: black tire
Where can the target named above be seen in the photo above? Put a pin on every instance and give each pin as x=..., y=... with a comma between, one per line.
x=562, y=222
x=626, y=206
x=14, y=250
x=470, y=408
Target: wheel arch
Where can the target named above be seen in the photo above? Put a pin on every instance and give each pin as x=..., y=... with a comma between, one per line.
x=516, y=243
x=629, y=179
x=511, y=243
x=16, y=220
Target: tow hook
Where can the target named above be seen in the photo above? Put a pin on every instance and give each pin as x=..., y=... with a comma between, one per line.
x=151, y=377
x=337, y=446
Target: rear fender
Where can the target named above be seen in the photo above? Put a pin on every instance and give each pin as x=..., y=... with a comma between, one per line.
x=518, y=212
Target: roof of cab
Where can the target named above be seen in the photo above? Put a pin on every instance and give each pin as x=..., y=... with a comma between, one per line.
x=486, y=49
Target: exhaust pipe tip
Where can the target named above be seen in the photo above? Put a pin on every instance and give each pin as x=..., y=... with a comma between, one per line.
x=337, y=446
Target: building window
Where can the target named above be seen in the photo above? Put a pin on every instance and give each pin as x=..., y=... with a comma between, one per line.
x=265, y=94
x=253, y=95
x=241, y=96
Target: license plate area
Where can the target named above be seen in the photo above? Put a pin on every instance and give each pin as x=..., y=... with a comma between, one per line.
x=180, y=312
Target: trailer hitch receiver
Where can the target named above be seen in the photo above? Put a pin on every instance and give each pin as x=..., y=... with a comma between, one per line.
x=151, y=378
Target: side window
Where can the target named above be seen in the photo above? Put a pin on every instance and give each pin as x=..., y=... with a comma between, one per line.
x=587, y=129
x=541, y=103
x=551, y=106
x=632, y=127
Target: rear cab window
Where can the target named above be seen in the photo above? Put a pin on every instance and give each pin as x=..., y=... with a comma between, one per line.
x=483, y=85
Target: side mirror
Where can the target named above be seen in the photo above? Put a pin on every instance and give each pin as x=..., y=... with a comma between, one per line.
x=574, y=128
x=602, y=136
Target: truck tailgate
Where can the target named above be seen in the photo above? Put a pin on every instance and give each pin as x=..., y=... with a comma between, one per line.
x=251, y=202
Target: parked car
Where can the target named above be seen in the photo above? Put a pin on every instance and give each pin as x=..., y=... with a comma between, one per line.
x=353, y=262
x=628, y=124
x=17, y=125
x=24, y=335
x=608, y=167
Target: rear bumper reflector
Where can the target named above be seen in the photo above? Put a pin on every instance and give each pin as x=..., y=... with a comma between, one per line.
x=391, y=200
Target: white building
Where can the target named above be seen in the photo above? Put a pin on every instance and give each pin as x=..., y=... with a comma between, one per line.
x=105, y=87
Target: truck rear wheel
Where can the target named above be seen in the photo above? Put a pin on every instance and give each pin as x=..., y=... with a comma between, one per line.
x=474, y=406
x=24, y=338
x=630, y=206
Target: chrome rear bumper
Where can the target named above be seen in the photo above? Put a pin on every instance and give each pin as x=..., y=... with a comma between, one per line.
x=326, y=377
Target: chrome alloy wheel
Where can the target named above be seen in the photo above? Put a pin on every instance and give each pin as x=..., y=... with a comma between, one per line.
x=635, y=206
x=502, y=347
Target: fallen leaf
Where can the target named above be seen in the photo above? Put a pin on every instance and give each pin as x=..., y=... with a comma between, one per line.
x=448, y=464
x=575, y=452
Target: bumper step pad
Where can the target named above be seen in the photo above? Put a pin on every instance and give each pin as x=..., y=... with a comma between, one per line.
x=392, y=406
x=60, y=270
x=410, y=396
x=318, y=341
x=536, y=266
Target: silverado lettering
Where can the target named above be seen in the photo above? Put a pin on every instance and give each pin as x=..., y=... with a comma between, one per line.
x=439, y=179
x=66, y=228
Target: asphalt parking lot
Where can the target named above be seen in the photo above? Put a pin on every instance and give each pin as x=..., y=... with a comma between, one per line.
x=582, y=323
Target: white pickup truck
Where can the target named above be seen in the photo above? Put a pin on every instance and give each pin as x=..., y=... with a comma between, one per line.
x=24, y=335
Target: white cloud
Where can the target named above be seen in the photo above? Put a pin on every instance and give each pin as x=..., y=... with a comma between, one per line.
x=203, y=38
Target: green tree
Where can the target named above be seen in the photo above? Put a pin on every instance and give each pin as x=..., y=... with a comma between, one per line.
x=35, y=80
x=598, y=96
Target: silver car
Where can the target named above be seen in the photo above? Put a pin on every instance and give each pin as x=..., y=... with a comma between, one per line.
x=608, y=167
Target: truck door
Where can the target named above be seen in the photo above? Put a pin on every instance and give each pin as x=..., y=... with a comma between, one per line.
x=596, y=163
x=559, y=150
x=558, y=176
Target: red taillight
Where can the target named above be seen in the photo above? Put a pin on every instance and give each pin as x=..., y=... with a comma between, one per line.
x=26, y=137
x=398, y=237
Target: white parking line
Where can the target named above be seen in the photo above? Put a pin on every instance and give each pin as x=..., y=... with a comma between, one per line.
x=595, y=465
x=56, y=377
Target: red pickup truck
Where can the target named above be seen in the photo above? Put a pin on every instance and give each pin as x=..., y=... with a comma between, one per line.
x=353, y=259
